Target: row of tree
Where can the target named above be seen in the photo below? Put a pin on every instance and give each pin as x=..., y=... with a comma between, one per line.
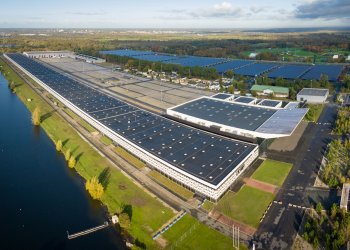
x=342, y=124
x=336, y=170
x=327, y=229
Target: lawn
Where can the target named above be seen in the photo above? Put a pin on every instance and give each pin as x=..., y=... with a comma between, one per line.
x=148, y=214
x=273, y=172
x=201, y=237
x=129, y=157
x=247, y=205
x=171, y=185
x=314, y=112
x=105, y=140
x=208, y=205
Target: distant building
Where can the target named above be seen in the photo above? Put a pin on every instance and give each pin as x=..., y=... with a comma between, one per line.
x=348, y=58
x=335, y=57
x=344, y=200
x=265, y=90
x=313, y=95
x=48, y=54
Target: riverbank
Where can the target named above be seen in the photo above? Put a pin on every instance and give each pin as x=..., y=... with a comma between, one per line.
x=147, y=213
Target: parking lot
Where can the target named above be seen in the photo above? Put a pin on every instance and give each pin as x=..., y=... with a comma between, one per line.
x=153, y=94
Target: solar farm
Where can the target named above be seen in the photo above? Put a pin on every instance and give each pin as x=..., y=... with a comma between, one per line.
x=248, y=68
x=240, y=118
x=204, y=162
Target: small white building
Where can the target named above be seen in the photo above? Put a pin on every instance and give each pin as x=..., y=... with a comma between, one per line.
x=313, y=95
x=335, y=57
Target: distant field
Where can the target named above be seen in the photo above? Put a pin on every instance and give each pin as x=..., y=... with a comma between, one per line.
x=201, y=237
x=247, y=205
x=273, y=172
x=288, y=52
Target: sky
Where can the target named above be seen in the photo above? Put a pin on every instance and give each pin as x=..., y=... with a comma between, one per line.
x=235, y=14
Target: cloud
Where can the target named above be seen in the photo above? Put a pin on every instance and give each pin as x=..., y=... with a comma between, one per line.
x=87, y=13
x=325, y=9
x=224, y=9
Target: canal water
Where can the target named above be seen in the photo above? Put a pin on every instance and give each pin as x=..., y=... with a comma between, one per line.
x=40, y=197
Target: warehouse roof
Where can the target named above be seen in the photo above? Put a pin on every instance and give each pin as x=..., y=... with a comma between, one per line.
x=313, y=92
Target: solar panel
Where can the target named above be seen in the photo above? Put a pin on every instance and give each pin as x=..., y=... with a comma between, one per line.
x=203, y=155
x=196, y=61
x=155, y=57
x=231, y=65
x=126, y=52
x=332, y=71
x=255, y=69
x=289, y=71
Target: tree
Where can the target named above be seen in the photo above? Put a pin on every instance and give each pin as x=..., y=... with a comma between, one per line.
x=59, y=146
x=95, y=188
x=72, y=162
x=334, y=210
x=67, y=155
x=319, y=208
x=36, y=117
x=124, y=220
x=229, y=73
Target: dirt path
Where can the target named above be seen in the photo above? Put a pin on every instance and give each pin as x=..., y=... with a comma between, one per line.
x=261, y=185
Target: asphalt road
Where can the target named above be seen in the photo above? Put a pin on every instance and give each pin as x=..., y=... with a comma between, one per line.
x=281, y=223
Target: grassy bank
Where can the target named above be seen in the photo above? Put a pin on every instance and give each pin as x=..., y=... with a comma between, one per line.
x=148, y=214
x=171, y=185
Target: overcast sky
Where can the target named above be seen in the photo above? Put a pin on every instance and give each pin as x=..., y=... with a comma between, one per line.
x=173, y=13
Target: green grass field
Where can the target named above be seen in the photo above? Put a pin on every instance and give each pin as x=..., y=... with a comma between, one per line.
x=201, y=237
x=148, y=214
x=208, y=205
x=247, y=205
x=273, y=172
x=314, y=112
x=180, y=190
x=105, y=140
x=129, y=157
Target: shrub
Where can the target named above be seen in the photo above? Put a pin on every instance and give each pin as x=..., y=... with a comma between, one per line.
x=36, y=117
x=67, y=155
x=124, y=220
x=72, y=162
x=59, y=146
x=94, y=187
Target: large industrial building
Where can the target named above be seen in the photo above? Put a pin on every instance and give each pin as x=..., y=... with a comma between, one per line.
x=204, y=162
x=242, y=117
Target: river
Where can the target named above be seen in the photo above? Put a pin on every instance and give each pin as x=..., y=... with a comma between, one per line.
x=41, y=198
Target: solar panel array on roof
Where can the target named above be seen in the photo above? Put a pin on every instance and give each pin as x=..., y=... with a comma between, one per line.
x=289, y=71
x=126, y=52
x=240, y=67
x=226, y=113
x=196, y=61
x=231, y=65
x=332, y=71
x=206, y=156
x=222, y=96
x=255, y=69
x=245, y=99
x=155, y=57
x=269, y=103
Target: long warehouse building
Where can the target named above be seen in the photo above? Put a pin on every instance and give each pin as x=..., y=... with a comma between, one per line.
x=205, y=163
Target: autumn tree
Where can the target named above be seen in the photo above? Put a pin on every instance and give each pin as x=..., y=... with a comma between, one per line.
x=36, y=117
x=95, y=188
x=59, y=146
